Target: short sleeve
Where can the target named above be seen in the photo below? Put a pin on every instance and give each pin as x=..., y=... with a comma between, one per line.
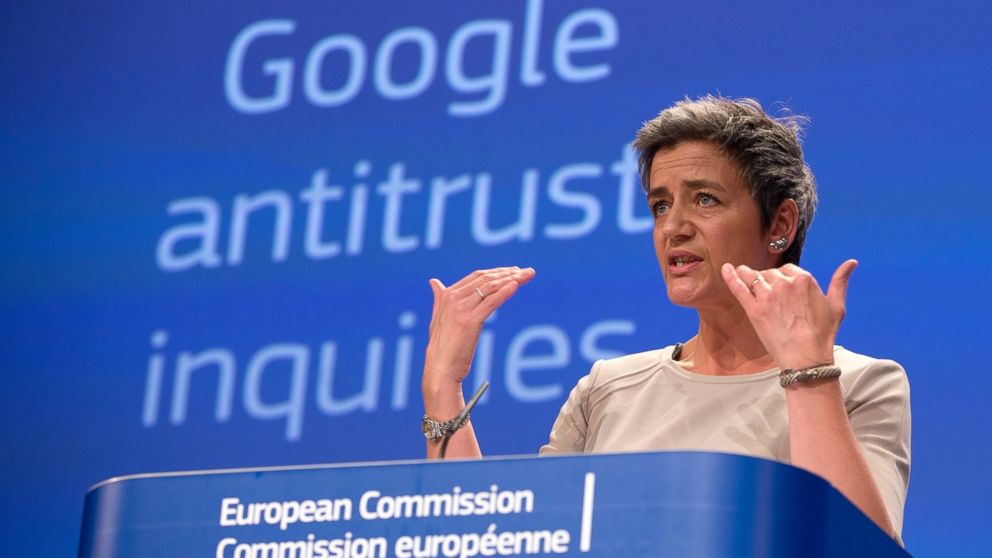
x=568, y=435
x=878, y=407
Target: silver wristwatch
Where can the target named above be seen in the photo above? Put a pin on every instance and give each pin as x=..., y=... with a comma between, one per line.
x=434, y=430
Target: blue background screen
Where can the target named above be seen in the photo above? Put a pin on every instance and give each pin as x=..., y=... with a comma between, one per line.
x=219, y=222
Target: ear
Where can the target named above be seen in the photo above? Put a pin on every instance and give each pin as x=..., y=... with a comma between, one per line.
x=784, y=223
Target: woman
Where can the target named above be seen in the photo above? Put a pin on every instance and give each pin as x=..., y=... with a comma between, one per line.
x=732, y=199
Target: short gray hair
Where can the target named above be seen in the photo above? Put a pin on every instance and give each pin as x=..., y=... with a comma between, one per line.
x=766, y=149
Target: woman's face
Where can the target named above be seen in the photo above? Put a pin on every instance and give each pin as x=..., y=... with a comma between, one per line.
x=704, y=216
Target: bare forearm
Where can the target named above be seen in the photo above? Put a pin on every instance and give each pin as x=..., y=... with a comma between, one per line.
x=823, y=442
x=443, y=401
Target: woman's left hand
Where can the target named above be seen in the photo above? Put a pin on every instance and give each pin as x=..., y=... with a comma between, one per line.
x=795, y=321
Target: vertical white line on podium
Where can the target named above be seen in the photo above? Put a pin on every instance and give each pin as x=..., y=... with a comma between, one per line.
x=585, y=535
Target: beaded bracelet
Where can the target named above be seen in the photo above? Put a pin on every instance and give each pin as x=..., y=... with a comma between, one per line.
x=791, y=376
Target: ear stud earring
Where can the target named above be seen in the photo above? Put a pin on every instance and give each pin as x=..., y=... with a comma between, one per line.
x=778, y=244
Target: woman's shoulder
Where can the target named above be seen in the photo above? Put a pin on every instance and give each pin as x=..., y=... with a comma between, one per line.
x=622, y=373
x=627, y=364
x=849, y=360
x=631, y=367
x=861, y=372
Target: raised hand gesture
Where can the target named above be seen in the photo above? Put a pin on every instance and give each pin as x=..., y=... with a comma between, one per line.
x=456, y=321
x=796, y=322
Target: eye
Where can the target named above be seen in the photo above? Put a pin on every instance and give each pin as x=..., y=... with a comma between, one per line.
x=706, y=199
x=659, y=207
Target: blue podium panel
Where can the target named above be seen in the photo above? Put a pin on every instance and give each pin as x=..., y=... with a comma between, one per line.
x=685, y=504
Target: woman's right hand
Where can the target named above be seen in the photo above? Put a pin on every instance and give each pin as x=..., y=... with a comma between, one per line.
x=457, y=318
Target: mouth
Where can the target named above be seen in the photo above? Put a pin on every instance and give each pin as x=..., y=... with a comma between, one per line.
x=681, y=262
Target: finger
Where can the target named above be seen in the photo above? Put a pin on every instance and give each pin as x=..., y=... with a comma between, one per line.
x=774, y=275
x=738, y=287
x=436, y=287
x=793, y=271
x=493, y=301
x=837, y=292
x=493, y=282
x=754, y=280
x=479, y=278
x=524, y=275
x=745, y=273
x=477, y=275
x=474, y=276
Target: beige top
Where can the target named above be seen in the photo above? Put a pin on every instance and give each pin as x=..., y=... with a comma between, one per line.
x=647, y=402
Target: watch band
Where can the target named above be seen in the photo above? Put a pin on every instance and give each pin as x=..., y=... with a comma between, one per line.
x=434, y=430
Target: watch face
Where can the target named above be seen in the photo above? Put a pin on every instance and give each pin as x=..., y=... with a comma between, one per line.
x=429, y=429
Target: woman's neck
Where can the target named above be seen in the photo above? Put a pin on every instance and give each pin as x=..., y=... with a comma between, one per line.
x=725, y=345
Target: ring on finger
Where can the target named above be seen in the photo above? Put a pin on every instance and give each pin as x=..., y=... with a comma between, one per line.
x=480, y=293
x=754, y=282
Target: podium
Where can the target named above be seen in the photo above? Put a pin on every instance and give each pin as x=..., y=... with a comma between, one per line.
x=678, y=504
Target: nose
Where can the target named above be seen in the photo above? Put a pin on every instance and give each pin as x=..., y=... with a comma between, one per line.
x=676, y=224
